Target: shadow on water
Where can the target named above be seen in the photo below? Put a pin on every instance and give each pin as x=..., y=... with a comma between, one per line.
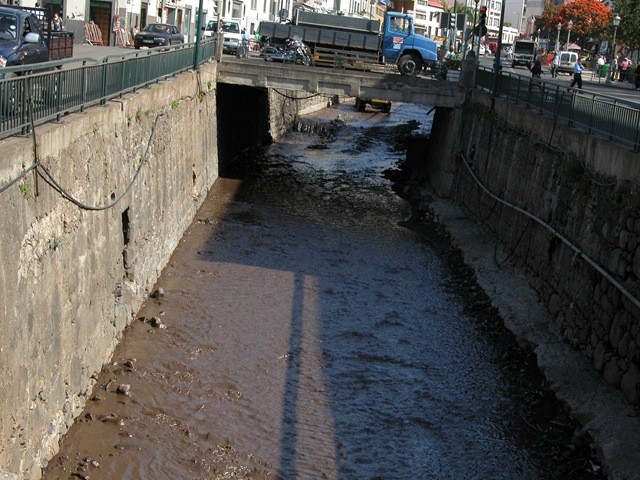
x=288, y=438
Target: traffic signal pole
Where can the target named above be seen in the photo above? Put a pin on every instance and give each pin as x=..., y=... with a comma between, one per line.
x=482, y=22
x=453, y=33
x=497, y=63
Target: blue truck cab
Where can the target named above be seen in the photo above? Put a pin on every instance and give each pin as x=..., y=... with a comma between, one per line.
x=401, y=45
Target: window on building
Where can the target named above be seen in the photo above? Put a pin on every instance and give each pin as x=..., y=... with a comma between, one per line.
x=236, y=11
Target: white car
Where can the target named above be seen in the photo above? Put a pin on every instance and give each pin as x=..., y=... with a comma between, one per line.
x=232, y=36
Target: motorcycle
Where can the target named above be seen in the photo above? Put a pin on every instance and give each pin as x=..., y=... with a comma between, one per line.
x=293, y=51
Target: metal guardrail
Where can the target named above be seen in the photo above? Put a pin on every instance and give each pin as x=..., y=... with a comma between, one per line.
x=609, y=117
x=72, y=85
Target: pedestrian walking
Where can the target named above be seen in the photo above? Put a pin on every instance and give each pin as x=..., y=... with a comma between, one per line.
x=577, y=74
x=536, y=69
x=555, y=63
x=624, y=68
x=57, y=23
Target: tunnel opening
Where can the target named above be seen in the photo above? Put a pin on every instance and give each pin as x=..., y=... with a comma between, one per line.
x=243, y=123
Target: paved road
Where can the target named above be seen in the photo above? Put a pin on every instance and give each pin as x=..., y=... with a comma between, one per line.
x=593, y=84
x=619, y=90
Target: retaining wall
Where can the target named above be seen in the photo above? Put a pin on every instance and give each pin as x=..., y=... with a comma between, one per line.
x=585, y=188
x=72, y=277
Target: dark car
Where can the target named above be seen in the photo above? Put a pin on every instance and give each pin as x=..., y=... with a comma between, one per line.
x=21, y=39
x=158, y=35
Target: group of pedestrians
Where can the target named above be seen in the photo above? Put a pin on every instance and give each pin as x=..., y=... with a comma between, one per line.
x=621, y=70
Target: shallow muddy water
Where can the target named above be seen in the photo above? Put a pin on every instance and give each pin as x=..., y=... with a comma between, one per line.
x=312, y=328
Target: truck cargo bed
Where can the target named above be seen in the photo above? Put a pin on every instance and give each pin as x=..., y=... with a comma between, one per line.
x=60, y=45
x=337, y=22
x=321, y=36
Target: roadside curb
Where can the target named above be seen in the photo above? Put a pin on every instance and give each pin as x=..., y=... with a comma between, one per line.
x=613, y=426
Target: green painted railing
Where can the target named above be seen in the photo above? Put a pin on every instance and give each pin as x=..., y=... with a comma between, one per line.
x=71, y=85
x=596, y=114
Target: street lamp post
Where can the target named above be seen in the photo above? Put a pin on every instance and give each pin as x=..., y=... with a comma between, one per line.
x=569, y=26
x=616, y=23
x=521, y=17
x=558, y=39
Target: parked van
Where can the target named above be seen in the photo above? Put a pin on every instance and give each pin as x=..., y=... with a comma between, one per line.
x=567, y=60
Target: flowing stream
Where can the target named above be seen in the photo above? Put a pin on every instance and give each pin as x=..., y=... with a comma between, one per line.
x=312, y=326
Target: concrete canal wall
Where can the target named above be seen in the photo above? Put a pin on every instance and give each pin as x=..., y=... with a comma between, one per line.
x=72, y=278
x=585, y=189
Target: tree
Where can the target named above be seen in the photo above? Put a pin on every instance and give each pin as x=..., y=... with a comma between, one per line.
x=591, y=19
x=629, y=30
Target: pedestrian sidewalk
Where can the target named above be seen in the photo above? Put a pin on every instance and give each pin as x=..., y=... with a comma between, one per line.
x=589, y=76
x=98, y=52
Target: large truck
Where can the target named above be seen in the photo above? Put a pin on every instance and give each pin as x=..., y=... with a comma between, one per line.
x=349, y=41
x=524, y=53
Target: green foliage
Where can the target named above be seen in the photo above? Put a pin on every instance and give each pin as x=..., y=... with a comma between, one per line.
x=629, y=30
x=591, y=19
x=56, y=243
x=175, y=104
x=453, y=63
x=26, y=190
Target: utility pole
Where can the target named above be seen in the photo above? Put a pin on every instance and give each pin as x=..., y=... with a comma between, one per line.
x=497, y=64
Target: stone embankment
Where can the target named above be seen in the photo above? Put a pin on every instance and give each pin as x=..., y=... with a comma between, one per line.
x=532, y=202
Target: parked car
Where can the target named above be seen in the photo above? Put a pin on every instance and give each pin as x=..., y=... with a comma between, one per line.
x=26, y=38
x=232, y=36
x=211, y=28
x=158, y=35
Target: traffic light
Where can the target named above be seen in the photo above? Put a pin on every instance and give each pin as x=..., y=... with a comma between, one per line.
x=452, y=20
x=482, y=21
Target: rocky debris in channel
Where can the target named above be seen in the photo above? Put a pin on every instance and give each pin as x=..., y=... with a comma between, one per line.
x=327, y=132
x=395, y=136
x=157, y=293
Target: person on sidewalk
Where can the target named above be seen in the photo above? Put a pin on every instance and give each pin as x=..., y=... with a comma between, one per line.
x=577, y=74
x=555, y=63
x=624, y=68
x=536, y=69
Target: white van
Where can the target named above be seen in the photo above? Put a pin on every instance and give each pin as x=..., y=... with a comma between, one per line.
x=567, y=60
x=232, y=36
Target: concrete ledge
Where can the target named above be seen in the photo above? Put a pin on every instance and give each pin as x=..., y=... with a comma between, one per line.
x=72, y=278
x=613, y=425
